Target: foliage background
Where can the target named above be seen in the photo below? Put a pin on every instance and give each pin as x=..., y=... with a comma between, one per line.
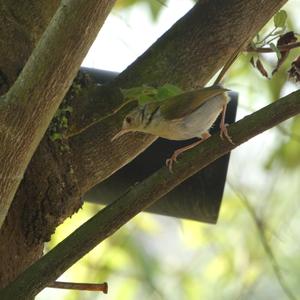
x=254, y=250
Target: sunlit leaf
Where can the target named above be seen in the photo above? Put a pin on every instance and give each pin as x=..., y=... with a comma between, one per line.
x=167, y=91
x=280, y=18
x=142, y=94
x=146, y=94
x=276, y=50
x=56, y=136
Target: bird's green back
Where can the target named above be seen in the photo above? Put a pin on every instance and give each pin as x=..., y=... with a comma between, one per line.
x=179, y=106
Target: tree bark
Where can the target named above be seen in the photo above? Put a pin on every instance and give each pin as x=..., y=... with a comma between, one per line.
x=28, y=107
x=188, y=55
x=26, y=111
x=21, y=25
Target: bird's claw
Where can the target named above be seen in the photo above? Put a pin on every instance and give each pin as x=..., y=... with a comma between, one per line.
x=224, y=133
x=170, y=161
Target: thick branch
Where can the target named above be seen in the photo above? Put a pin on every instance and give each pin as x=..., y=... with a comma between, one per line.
x=28, y=107
x=112, y=217
x=21, y=25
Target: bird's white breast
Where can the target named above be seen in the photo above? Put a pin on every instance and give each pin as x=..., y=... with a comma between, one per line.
x=192, y=125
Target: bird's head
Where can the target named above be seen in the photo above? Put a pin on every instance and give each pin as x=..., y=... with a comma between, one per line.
x=132, y=122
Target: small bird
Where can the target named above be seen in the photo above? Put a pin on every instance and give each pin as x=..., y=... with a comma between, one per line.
x=181, y=117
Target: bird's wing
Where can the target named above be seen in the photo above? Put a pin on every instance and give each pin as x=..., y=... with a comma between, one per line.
x=179, y=106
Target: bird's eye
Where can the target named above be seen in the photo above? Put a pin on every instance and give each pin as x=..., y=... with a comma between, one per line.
x=128, y=120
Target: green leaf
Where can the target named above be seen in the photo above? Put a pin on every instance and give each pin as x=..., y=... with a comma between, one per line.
x=167, y=91
x=145, y=94
x=56, y=136
x=64, y=122
x=143, y=99
x=280, y=18
x=136, y=92
x=276, y=50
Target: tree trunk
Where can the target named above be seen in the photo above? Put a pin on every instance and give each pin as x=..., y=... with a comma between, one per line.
x=28, y=107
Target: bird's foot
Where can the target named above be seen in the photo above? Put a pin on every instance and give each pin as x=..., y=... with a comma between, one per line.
x=171, y=160
x=224, y=133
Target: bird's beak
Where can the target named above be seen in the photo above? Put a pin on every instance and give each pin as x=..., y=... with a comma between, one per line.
x=120, y=133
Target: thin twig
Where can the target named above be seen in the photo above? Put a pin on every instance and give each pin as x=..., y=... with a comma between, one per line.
x=94, y=287
x=270, y=50
x=263, y=41
x=229, y=62
x=264, y=241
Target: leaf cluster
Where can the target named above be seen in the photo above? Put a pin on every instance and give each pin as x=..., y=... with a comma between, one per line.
x=281, y=48
x=146, y=94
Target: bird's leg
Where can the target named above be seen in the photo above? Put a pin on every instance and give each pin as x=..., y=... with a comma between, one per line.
x=169, y=161
x=223, y=126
